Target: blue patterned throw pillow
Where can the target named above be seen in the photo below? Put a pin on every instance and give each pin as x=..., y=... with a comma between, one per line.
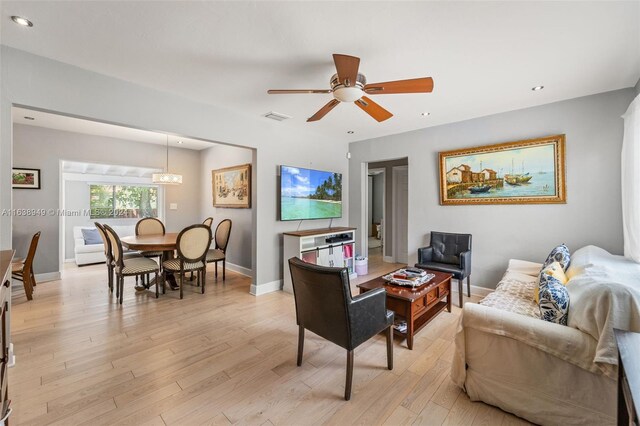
x=559, y=254
x=554, y=300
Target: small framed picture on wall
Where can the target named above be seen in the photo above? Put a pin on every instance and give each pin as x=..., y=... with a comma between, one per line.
x=25, y=178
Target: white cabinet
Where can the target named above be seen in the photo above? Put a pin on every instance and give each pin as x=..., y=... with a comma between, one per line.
x=327, y=247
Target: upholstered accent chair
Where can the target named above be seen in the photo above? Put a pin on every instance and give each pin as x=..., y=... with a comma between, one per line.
x=208, y=221
x=22, y=270
x=219, y=253
x=192, y=245
x=450, y=253
x=324, y=306
x=136, y=266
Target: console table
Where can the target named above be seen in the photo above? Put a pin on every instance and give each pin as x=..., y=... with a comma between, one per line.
x=311, y=245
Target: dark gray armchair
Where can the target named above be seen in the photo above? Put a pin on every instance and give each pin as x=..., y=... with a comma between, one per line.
x=449, y=253
x=324, y=306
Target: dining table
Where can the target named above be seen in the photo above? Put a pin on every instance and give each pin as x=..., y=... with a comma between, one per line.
x=166, y=243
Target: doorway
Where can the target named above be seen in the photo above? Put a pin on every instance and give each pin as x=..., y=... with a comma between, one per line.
x=386, y=206
x=375, y=213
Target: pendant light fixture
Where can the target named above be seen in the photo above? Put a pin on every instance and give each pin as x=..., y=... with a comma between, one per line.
x=167, y=178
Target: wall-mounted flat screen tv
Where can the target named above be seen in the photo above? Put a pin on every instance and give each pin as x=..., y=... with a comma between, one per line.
x=309, y=194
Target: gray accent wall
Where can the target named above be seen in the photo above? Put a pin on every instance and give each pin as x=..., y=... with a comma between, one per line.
x=41, y=148
x=219, y=157
x=592, y=214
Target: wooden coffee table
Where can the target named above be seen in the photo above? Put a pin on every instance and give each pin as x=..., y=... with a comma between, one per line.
x=417, y=306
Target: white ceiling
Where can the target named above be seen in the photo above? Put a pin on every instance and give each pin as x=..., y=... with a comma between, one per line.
x=89, y=127
x=484, y=56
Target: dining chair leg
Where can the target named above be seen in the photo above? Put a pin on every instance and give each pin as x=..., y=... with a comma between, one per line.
x=300, y=344
x=121, y=288
x=224, y=268
x=117, y=283
x=33, y=279
x=390, y=347
x=203, y=272
x=157, y=284
x=347, y=387
x=216, y=263
x=460, y=292
x=28, y=289
x=191, y=278
x=181, y=282
x=110, y=279
x=469, y=286
x=164, y=283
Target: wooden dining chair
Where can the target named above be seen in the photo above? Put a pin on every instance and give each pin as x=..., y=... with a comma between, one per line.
x=150, y=226
x=191, y=246
x=219, y=253
x=208, y=221
x=137, y=266
x=22, y=270
x=107, y=254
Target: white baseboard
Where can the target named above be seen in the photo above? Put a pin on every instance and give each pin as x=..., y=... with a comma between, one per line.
x=270, y=287
x=239, y=269
x=49, y=276
x=72, y=260
x=475, y=290
x=40, y=278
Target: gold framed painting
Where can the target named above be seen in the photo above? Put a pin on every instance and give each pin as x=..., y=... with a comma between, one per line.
x=232, y=187
x=523, y=172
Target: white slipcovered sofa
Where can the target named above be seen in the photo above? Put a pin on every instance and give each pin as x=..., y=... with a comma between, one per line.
x=94, y=253
x=549, y=373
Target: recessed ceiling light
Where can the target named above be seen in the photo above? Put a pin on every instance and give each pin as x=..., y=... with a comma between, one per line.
x=180, y=142
x=22, y=21
x=28, y=118
x=426, y=114
x=537, y=88
x=350, y=132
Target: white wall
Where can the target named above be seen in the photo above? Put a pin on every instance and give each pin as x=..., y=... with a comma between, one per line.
x=592, y=214
x=41, y=148
x=35, y=81
x=218, y=157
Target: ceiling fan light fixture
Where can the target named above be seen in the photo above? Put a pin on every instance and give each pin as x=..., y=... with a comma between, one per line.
x=348, y=94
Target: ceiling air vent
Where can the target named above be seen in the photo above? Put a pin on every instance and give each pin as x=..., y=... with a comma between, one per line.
x=276, y=116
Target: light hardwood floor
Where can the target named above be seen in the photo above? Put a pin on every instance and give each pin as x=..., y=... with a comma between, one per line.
x=220, y=358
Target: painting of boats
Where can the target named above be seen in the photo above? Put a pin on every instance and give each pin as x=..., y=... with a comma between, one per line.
x=528, y=171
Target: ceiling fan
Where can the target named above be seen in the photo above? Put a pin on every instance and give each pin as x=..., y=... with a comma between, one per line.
x=348, y=85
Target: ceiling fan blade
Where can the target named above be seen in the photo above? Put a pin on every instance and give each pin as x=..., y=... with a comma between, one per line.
x=347, y=67
x=324, y=110
x=287, y=92
x=373, y=109
x=415, y=85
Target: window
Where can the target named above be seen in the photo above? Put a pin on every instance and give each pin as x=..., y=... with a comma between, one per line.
x=123, y=201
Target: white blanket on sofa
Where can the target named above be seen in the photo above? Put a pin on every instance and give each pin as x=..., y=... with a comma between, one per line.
x=604, y=292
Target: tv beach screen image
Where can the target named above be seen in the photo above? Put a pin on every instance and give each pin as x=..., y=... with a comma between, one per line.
x=309, y=194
